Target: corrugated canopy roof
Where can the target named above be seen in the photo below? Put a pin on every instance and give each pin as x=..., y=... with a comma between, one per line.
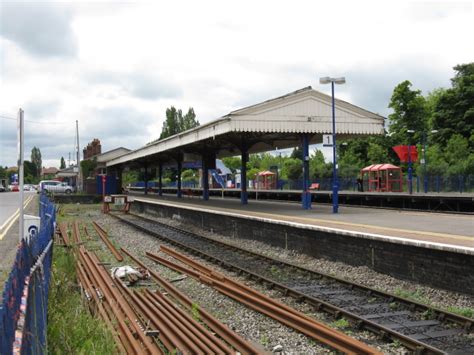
x=276, y=123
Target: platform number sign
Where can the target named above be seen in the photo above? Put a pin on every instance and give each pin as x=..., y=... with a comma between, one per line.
x=327, y=140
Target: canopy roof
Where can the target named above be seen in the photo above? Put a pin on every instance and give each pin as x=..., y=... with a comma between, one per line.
x=375, y=167
x=276, y=123
x=265, y=173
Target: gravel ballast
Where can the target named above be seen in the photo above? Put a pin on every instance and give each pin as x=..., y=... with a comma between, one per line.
x=257, y=328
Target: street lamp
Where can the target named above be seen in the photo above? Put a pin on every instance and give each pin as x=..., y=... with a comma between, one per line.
x=335, y=182
x=410, y=167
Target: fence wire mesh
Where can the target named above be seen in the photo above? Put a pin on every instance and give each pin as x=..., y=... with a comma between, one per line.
x=24, y=303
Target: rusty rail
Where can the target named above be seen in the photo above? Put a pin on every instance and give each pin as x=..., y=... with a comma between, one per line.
x=113, y=307
x=268, y=306
x=224, y=332
x=63, y=233
x=103, y=235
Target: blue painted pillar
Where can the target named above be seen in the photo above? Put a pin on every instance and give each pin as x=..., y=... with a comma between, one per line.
x=243, y=177
x=145, y=177
x=306, y=196
x=160, y=179
x=205, y=178
x=178, y=178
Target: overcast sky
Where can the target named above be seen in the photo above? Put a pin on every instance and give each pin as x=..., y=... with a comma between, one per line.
x=116, y=66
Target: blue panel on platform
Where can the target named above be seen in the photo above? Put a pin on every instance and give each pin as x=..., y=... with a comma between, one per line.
x=110, y=185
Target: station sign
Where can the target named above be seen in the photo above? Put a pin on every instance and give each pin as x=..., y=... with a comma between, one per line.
x=327, y=140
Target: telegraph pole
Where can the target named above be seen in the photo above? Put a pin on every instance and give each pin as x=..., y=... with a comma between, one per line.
x=79, y=178
x=21, y=170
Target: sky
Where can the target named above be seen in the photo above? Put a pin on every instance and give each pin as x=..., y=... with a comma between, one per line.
x=115, y=66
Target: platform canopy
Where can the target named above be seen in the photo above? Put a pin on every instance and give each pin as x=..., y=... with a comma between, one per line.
x=273, y=124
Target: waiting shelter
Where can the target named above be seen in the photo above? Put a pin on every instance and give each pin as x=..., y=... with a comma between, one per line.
x=266, y=180
x=297, y=119
x=382, y=178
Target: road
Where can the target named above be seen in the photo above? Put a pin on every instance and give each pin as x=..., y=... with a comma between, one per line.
x=9, y=209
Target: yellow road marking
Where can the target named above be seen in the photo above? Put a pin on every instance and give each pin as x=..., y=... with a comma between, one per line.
x=11, y=220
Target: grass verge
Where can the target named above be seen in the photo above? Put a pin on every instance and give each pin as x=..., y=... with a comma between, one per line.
x=71, y=327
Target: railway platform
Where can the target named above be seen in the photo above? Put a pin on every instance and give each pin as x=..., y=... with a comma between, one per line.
x=440, y=231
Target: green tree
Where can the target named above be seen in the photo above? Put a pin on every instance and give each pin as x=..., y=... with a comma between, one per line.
x=88, y=166
x=36, y=159
x=62, y=164
x=30, y=172
x=409, y=113
x=457, y=148
x=233, y=163
x=129, y=177
x=376, y=153
x=292, y=169
x=318, y=168
x=190, y=175
x=175, y=122
x=454, y=110
x=297, y=153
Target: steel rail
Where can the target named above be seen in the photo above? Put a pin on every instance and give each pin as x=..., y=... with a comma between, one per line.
x=319, y=304
x=121, y=308
x=169, y=340
x=103, y=235
x=465, y=322
x=63, y=232
x=86, y=283
x=116, y=316
x=195, y=329
x=224, y=332
x=275, y=310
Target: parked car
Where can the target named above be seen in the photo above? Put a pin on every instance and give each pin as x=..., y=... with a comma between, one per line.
x=14, y=188
x=2, y=189
x=54, y=186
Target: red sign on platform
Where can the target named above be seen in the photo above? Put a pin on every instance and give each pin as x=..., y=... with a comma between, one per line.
x=104, y=178
x=402, y=152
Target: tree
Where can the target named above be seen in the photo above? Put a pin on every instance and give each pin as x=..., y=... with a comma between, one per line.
x=36, y=159
x=297, y=153
x=233, y=163
x=410, y=113
x=175, y=122
x=88, y=166
x=292, y=169
x=454, y=110
x=62, y=164
x=318, y=168
x=30, y=171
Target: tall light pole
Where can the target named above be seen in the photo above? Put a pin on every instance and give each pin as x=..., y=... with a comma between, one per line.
x=410, y=165
x=425, y=177
x=335, y=182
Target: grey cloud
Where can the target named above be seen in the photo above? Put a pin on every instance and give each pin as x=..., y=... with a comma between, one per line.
x=43, y=29
x=115, y=126
x=143, y=85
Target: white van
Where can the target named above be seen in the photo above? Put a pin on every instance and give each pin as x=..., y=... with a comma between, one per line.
x=54, y=186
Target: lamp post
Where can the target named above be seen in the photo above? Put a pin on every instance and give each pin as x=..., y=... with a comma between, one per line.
x=335, y=182
x=410, y=165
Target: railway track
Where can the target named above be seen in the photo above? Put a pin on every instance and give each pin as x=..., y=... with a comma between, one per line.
x=423, y=329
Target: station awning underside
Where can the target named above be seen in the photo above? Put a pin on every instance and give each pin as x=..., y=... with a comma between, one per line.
x=274, y=124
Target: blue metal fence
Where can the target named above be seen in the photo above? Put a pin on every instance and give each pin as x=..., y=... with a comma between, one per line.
x=24, y=303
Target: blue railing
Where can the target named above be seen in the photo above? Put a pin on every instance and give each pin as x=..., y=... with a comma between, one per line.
x=24, y=304
x=456, y=183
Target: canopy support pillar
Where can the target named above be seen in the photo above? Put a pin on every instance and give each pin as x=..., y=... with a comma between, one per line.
x=306, y=196
x=160, y=179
